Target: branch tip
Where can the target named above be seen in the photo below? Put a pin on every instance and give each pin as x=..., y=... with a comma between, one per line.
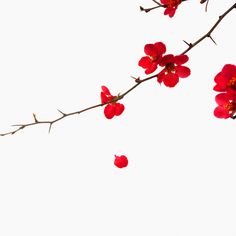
x=141, y=8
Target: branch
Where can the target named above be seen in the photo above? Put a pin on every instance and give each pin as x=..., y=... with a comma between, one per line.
x=138, y=82
x=208, y=34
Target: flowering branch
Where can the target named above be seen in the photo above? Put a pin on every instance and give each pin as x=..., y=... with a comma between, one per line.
x=120, y=96
x=64, y=115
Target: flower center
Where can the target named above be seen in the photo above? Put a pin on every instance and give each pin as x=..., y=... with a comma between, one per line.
x=153, y=58
x=173, y=3
x=170, y=67
x=231, y=107
x=232, y=83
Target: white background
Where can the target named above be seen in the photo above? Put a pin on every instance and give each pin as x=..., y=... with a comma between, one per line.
x=181, y=178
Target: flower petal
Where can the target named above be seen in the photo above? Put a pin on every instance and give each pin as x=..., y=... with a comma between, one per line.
x=119, y=108
x=221, y=82
x=161, y=47
x=151, y=50
x=164, y=2
x=145, y=62
x=222, y=99
x=120, y=161
x=170, y=11
x=160, y=75
x=151, y=69
x=109, y=111
x=229, y=71
x=180, y=59
x=105, y=90
x=104, y=98
x=222, y=113
x=182, y=71
x=170, y=79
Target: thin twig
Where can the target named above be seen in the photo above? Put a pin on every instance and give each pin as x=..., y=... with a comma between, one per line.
x=138, y=81
x=152, y=8
x=206, y=5
x=203, y=1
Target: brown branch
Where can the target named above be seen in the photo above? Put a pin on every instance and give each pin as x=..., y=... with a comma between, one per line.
x=208, y=34
x=138, y=81
x=64, y=115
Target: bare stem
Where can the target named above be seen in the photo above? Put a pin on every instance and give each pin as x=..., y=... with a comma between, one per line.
x=121, y=96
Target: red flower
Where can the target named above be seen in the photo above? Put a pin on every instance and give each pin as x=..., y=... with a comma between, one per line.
x=121, y=161
x=113, y=108
x=226, y=79
x=154, y=54
x=226, y=105
x=173, y=69
x=171, y=6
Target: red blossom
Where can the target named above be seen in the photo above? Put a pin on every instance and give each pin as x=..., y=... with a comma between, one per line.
x=173, y=69
x=113, y=108
x=171, y=6
x=154, y=54
x=226, y=79
x=120, y=161
x=226, y=105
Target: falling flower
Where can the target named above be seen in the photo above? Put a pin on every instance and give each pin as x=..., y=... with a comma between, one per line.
x=226, y=105
x=171, y=6
x=120, y=161
x=226, y=79
x=154, y=54
x=113, y=108
x=173, y=69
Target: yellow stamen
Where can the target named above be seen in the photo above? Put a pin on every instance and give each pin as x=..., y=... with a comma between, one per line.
x=232, y=82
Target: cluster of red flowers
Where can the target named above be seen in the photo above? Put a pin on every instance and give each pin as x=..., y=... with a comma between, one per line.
x=173, y=65
x=169, y=75
x=171, y=6
x=226, y=85
x=113, y=108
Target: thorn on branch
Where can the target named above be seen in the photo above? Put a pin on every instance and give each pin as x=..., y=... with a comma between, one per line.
x=137, y=80
x=35, y=119
x=64, y=114
x=50, y=127
x=209, y=36
x=189, y=44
